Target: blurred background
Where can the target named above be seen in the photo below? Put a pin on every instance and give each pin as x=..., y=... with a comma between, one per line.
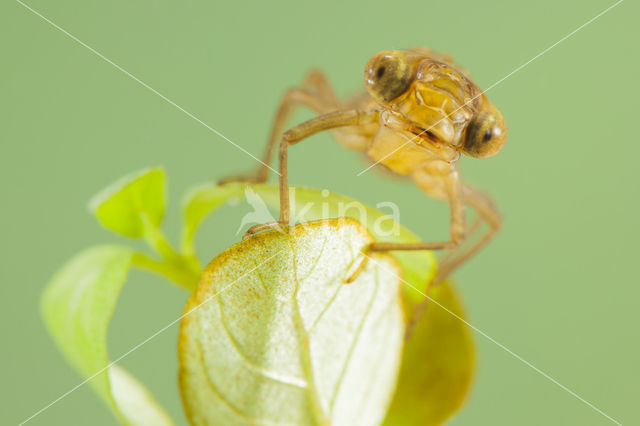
x=558, y=286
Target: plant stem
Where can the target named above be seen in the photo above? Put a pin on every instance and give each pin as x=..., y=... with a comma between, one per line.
x=183, y=276
x=183, y=270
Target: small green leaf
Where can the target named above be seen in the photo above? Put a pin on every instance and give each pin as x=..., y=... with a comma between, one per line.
x=418, y=266
x=201, y=202
x=274, y=336
x=133, y=400
x=133, y=204
x=437, y=365
x=77, y=305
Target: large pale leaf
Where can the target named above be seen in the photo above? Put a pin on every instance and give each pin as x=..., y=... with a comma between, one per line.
x=274, y=336
x=132, y=204
x=309, y=204
x=77, y=305
x=437, y=365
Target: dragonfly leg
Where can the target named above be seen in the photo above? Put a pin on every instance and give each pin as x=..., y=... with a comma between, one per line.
x=439, y=180
x=486, y=212
x=315, y=93
x=300, y=132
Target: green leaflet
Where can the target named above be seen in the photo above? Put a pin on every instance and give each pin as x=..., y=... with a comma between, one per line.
x=274, y=336
x=77, y=305
x=437, y=365
x=133, y=204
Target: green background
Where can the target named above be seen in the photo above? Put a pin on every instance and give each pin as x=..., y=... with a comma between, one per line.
x=558, y=286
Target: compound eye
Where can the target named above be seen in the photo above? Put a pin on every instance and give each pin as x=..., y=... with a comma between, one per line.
x=485, y=135
x=388, y=75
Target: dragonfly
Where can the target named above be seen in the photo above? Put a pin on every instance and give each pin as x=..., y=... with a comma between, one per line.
x=419, y=114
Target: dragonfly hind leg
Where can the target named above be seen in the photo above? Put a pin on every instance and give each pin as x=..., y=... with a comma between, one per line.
x=486, y=212
x=439, y=180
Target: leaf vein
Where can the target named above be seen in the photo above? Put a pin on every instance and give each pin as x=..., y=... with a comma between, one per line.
x=305, y=351
x=219, y=395
x=355, y=339
x=291, y=381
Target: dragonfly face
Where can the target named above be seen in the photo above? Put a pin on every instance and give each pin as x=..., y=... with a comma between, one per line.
x=436, y=98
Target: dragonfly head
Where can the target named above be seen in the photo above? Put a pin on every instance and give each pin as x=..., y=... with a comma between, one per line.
x=446, y=103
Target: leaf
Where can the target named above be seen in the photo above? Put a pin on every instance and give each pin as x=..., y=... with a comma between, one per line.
x=423, y=350
x=77, y=305
x=437, y=365
x=132, y=204
x=274, y=336
x=200, y=202
x=134, y=401
x=418, y=266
